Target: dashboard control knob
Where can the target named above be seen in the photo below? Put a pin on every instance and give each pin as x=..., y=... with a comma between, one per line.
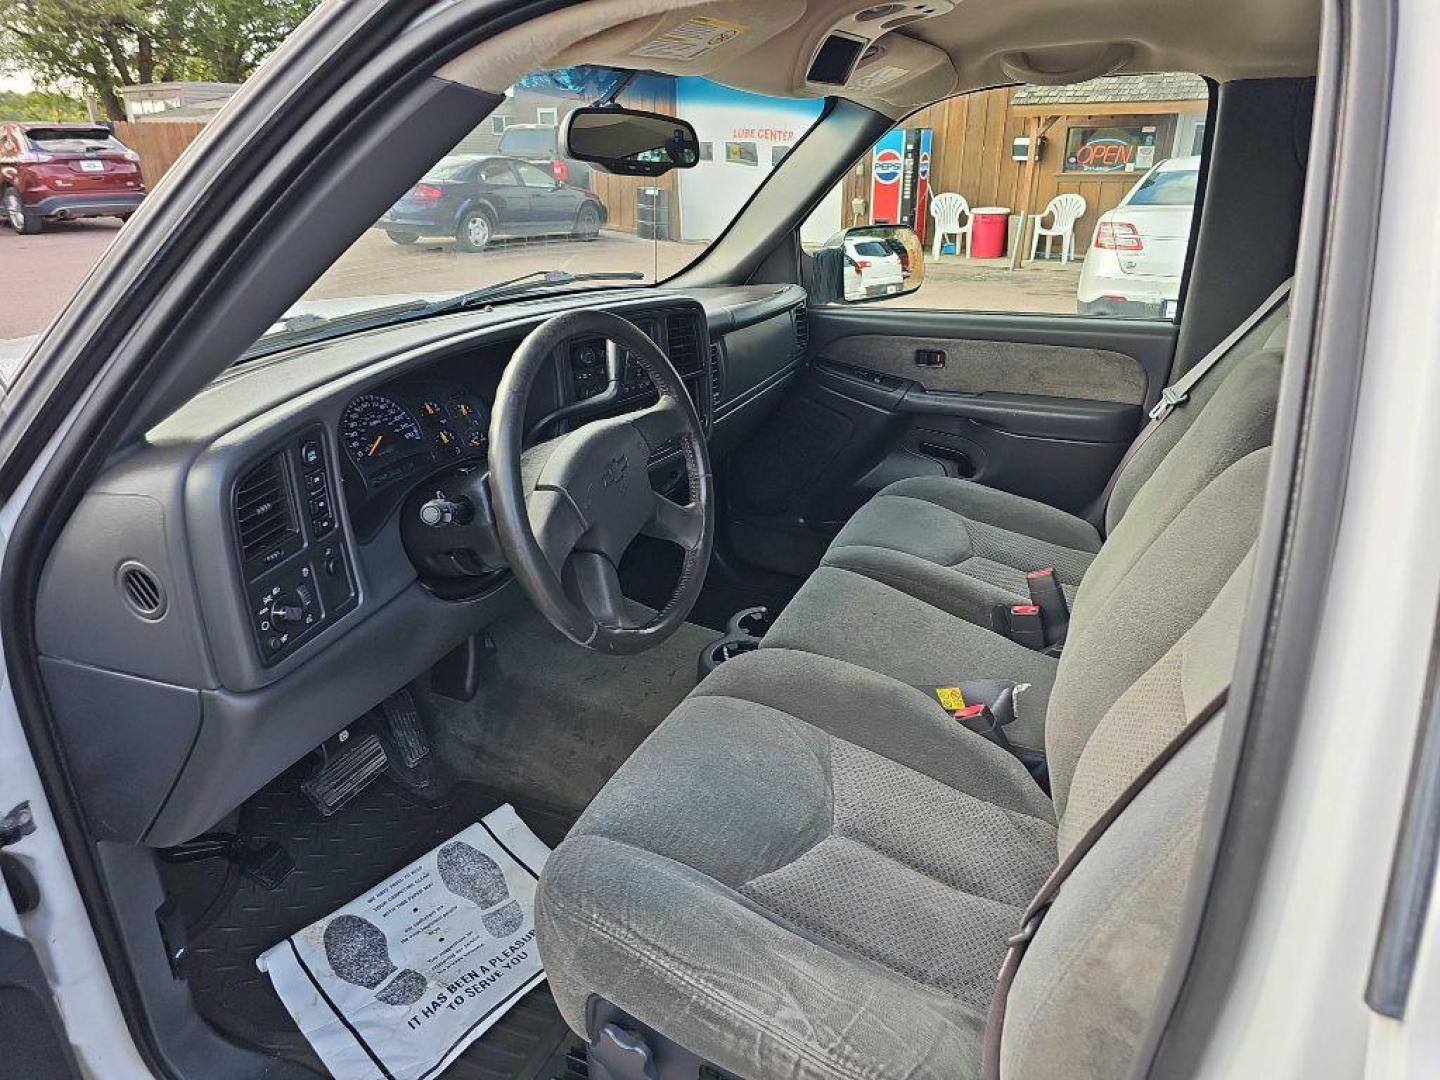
x=282, y=614
x=440, y=511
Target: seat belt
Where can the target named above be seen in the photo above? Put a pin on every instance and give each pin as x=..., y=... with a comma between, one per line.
x=1034, y=915
x=1178, y=392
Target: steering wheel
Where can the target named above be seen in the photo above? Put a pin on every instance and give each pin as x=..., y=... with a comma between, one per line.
x=566, y=509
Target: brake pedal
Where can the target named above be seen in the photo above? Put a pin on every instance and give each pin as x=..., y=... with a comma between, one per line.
x=346, y=773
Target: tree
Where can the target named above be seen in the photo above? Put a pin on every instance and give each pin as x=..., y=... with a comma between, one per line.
x=39, y=105
x=104, y=45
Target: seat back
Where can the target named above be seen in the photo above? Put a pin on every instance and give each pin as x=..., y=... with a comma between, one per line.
x=1083, y=996
x=1065, y=210
x=946, y=209
x=1268, y=334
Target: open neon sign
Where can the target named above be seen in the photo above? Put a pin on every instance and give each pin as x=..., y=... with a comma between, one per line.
x=1104, y=155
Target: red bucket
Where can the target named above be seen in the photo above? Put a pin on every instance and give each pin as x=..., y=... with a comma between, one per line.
x=987, y=239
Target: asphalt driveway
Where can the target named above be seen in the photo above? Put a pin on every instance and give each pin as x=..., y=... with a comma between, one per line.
x=43, y=271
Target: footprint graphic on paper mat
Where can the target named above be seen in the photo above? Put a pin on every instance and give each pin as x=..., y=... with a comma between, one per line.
x=358, y=953
x=478, y=878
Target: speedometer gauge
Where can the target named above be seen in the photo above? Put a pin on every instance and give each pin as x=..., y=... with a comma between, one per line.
x=376, y=430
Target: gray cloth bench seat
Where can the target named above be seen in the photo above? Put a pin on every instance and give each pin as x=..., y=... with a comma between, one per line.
x=809, y=870
x=966, y=548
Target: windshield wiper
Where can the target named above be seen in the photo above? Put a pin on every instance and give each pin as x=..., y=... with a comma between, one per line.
x=536, y=279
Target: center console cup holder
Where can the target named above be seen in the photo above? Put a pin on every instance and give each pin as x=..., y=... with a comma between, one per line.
x=750, y=622
x=743, y=634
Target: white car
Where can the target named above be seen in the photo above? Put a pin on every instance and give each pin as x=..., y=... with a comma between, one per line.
x=872, y=268
x=1137, y=255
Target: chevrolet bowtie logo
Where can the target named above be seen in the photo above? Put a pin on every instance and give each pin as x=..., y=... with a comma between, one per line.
x=614, y=471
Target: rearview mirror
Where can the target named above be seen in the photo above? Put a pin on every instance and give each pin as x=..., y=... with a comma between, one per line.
x=878, y=261
x=628, y=142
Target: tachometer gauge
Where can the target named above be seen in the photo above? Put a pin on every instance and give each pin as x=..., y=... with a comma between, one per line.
x=376, y=430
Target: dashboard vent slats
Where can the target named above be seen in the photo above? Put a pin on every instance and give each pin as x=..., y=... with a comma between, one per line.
x=683, y=341
x=717, y=374
x=142, y=590
x=802, y=330
x=264, y=514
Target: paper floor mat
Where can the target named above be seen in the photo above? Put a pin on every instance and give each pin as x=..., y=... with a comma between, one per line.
x=399, y=981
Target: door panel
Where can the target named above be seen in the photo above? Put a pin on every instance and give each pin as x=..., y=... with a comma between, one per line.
x=1040, y=406
x=977, y=366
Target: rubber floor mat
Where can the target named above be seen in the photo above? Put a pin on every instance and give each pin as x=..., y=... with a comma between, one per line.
x=381, y=830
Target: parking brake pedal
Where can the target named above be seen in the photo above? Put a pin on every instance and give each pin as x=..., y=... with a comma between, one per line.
x=263, y=861
x=346, y=772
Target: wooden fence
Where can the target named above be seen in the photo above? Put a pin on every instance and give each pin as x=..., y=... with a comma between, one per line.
x=159, y=144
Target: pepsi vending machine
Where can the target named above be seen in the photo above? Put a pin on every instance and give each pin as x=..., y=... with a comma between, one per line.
x=900, y=179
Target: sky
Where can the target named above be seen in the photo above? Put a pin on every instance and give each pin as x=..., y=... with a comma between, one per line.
x=19, y=81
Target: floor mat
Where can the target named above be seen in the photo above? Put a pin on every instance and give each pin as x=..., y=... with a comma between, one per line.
x=382, y=829
x=552, y=721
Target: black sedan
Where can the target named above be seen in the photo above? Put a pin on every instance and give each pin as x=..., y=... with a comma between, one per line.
x=477, y=199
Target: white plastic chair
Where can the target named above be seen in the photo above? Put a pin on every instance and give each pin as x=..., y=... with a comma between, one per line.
x=1064, y=211
x=946, y=208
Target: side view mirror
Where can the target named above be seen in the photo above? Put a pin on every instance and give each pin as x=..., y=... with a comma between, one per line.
x=628, y=142
x=878, y=262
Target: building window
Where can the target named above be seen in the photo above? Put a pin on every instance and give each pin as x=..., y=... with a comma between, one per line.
x=777, y=153
x=1110, y=149
x=1197, y=140
x=498, y=124
x=550, y=117
x=707, y=151
x=742, y=153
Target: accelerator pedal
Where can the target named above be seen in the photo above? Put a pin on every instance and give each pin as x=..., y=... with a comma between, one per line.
x=406, y=732
x=412, y=766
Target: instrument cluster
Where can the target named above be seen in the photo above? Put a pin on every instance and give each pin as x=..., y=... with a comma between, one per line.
x=391, y=436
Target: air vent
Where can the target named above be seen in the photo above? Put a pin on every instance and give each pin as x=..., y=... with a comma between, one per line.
x=717, y=373
x=802, y=330
x=264, y=515
x=683, y=342
x=142, y=590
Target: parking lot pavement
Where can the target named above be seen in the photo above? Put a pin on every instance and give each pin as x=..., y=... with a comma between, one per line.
x=376, y=266
x=43, y=270
x=958, y=284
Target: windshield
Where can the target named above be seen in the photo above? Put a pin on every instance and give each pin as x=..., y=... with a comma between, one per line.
x=501, y=206
x=528, y=141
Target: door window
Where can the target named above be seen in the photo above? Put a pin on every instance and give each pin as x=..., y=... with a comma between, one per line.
x=533, y=177
x=1107, y=169
x=496, y=172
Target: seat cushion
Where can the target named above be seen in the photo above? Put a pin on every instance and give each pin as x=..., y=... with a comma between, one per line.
x=808, y=870
x=960, y=546
x=851, y=616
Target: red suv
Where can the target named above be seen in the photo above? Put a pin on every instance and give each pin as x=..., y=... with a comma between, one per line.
x=53, y=172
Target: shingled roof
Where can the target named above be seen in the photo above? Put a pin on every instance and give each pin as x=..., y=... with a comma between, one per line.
x=1161, y=86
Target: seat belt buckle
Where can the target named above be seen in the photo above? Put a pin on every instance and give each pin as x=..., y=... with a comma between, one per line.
x=1170, y=397
x=1026, y=627
x=979, y=719
x=1046, y=594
